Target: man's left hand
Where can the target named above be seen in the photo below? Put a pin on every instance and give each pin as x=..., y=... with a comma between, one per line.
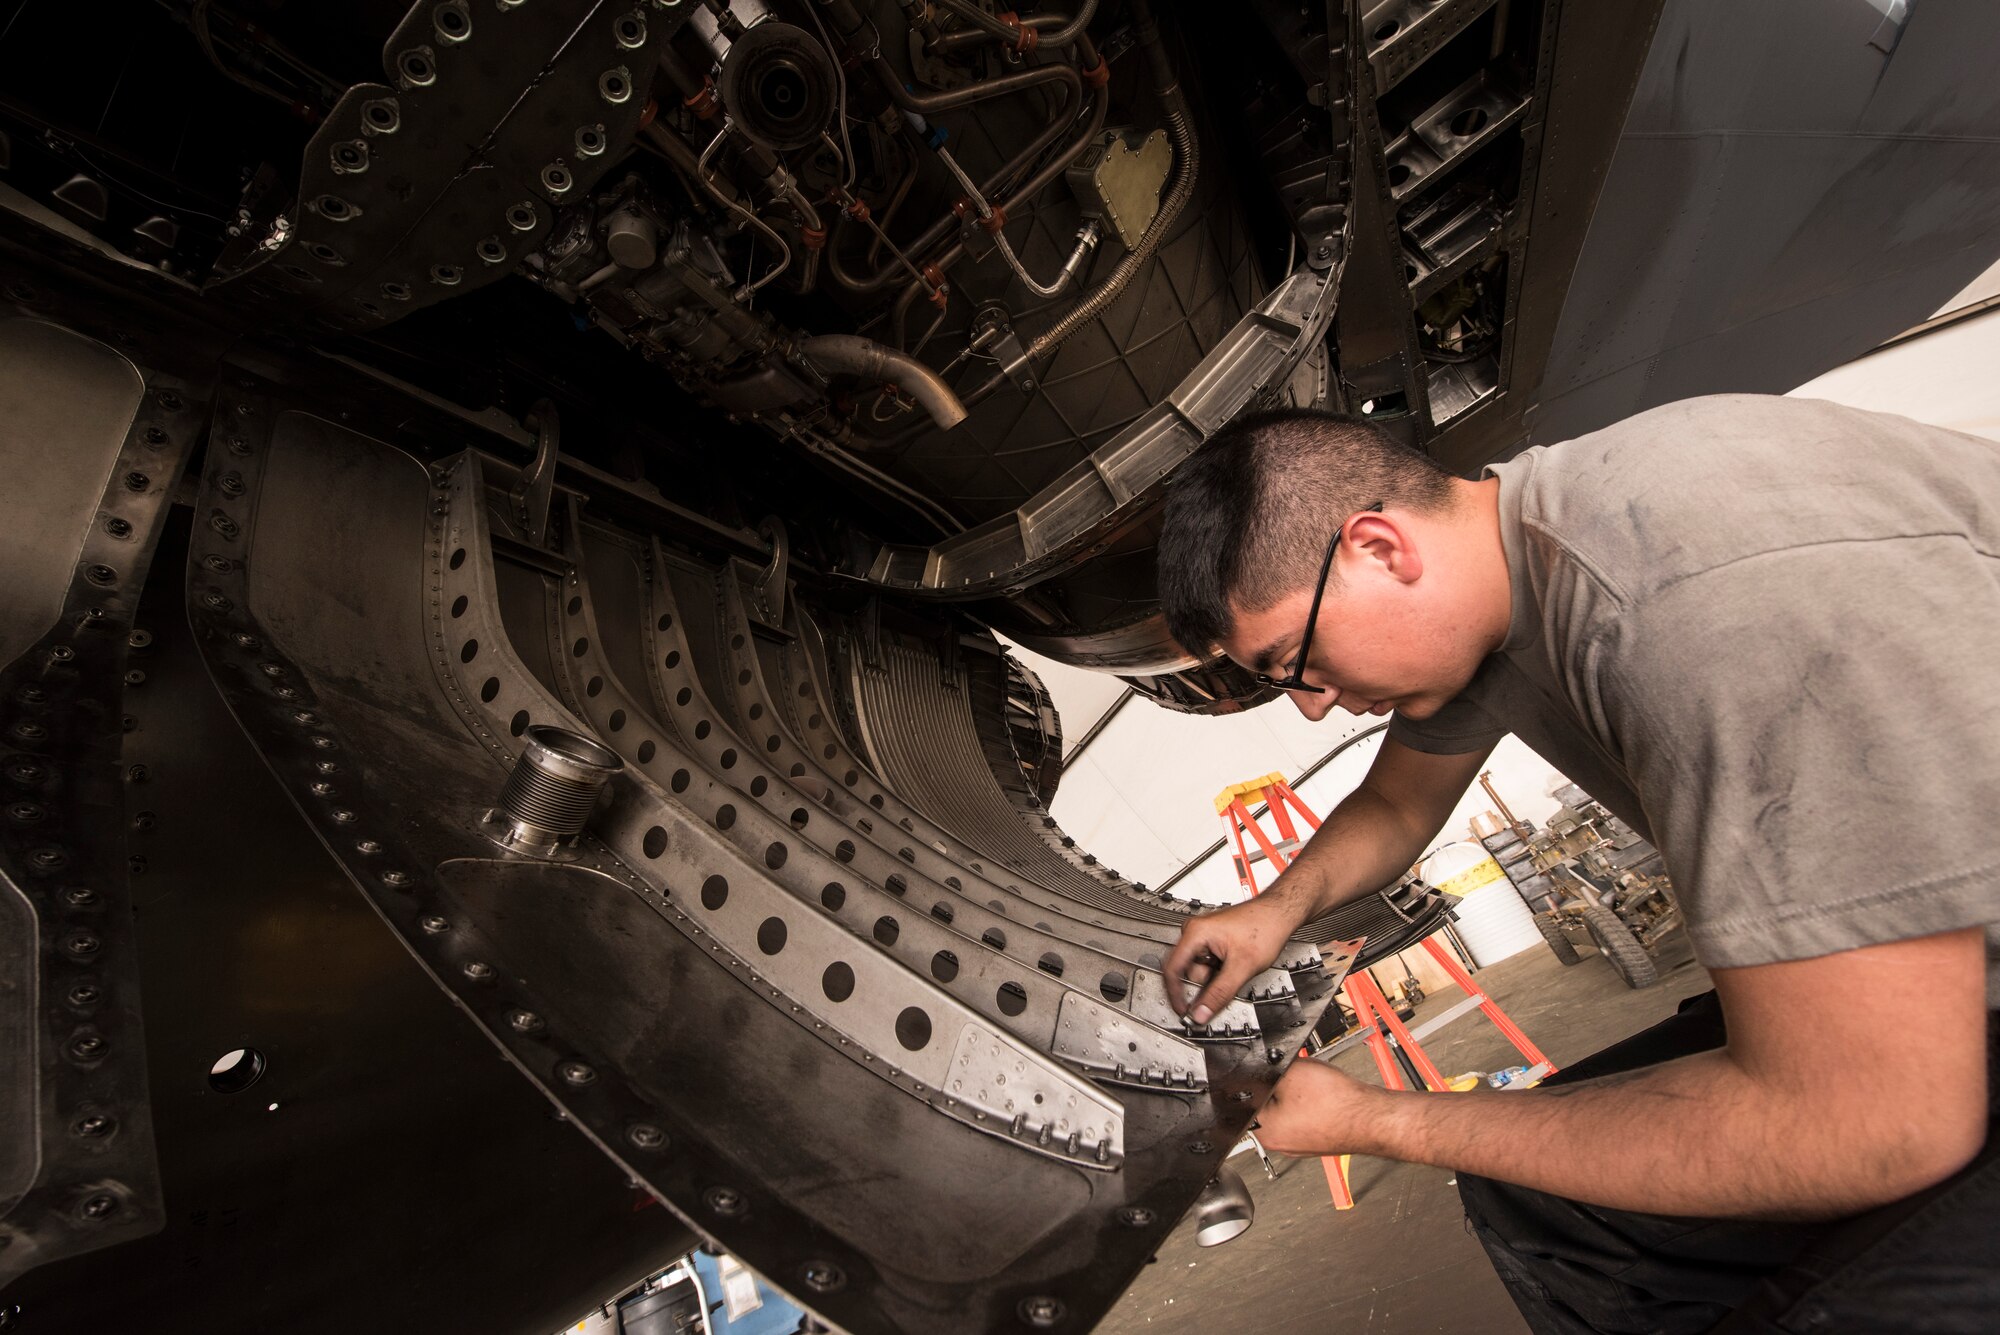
x=1314, y=1110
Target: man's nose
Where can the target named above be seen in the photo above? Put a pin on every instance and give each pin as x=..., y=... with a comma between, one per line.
x=1314, y=706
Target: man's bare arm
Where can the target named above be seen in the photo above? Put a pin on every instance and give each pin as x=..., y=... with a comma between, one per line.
x=1811, y=1112
x=1365, y=843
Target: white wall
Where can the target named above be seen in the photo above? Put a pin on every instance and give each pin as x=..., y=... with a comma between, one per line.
x=1141, y=797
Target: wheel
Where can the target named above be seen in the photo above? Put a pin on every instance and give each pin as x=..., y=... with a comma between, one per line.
x=1552, y=932
x=1622, y=948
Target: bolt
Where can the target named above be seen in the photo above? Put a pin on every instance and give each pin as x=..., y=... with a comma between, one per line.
x=101, y=1206
x=221, y=565
x=155, y=437
x=1042, y=1311
x=1274, y=1055
x=1241, y=1096
x=576, y=1073
x=1135, y=1216
x=224, y=525
x=88, y=1047
x=169, y=400
x=723, y=1200
x=101, y=575
x=118, y=528
x=137, y=774
x=344, y=816
x=48, y=859
x=143, y=820
x=1199, y=1147
x=84, y=994
x=216, y=601
x=26, y=771
x=433, y=924
x=231, y=484
x=135, y=677
x=80, y=896
x=646, y=1136
x=28, y=813
x=136, y=865
x=32, y=695
x=95, y=1126
x=322, y=789
x=62, y=653
x=242, y=641
x=239, y=445
x=478, y=972
x=369, y=845
x=396, y=878
x=137, y=481
x=823, y=1276
x=525, y=1022
x=82, y=945
x=139, y=639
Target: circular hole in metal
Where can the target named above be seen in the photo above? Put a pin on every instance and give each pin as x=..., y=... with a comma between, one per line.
x=759, y=786
x=728, y=757
x=459, y=604
x=679, y=782
x=844, y=850
x=452, y=22
x=555, y=178
x=1113, y=986
x=334, y=208
x=614, y=85
x=1012, y=998
x=887, y=929
x=828, y=752
x=775, y=855
x=771, y=742
x=994, y=937
x=382, y=115
x=942, y=911
x=631, y=31
x=468, y=651
x=666, y=621
x=1050, y=963
x=714, y=893
x=1400, y=173
x=1385, y=31
x=617, y=720
x=812, y=720
x=457, y=558
x=896, y=884
x=1469, y=122
x=415, y=66
x=521, y=217
x=701, y=730
x=580, y=648
x=832, y=895
x=799, y=817
x=683, y=695
x=798, y=771
x=489, y=689
x=837, y=982
x=725, y=816
x=771, y=934
x=756, y=712
x=590, y=141
x=594, y=687
x=876, y=801
x=491, y=251
x=655, y=842
x=673, y=658
x=851, y=778
x=944, y=966
x=913, y=1028
x=646, y=750
x=236, y=1070
x=396, y=291
x=743, y=677
x=325, y=254
x=519, y=724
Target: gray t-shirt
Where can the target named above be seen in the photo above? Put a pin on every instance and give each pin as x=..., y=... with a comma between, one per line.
x=1766, y=632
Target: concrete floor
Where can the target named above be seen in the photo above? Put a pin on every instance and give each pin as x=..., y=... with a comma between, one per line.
x=1401, y=1261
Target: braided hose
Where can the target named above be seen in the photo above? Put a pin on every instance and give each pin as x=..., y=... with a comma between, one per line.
x=1187, y=167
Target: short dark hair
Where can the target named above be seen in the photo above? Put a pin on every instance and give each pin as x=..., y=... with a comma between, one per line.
x=1249, y=514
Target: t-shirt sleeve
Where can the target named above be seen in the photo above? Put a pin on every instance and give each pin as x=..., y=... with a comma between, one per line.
x=1815, y=737
x=1460, y=727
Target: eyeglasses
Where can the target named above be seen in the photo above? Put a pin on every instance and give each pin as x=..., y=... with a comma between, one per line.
x=1297, y=680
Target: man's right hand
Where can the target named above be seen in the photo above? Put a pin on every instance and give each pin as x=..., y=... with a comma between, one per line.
x=1219, y=952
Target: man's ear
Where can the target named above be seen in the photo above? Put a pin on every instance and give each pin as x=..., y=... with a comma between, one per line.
x=1386, y=543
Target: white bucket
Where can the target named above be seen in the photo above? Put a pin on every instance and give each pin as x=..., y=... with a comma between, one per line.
x=1493, y=921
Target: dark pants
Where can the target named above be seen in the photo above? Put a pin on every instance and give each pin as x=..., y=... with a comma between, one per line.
x=1930, y=1262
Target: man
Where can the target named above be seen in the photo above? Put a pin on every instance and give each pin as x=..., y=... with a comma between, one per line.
x=1766, y=633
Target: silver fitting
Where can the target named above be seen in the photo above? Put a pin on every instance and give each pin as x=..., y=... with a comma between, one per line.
x=552, y=792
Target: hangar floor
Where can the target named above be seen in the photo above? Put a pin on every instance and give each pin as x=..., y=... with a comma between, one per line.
x=1401, y=1261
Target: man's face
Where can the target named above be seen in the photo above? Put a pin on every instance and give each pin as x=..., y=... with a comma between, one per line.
x=1387, y=638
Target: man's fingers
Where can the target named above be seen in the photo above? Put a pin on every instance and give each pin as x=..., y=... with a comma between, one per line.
x=1190, y=951
x=1221, y=990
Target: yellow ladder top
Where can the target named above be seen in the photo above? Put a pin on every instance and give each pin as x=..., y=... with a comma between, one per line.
x=1248, y=788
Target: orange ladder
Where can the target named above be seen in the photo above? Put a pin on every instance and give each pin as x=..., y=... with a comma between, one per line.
x=1373, y=1012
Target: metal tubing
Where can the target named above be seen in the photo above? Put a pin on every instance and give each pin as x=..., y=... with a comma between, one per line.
x=852, y=355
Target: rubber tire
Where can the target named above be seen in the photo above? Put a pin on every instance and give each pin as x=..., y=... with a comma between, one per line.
x=1622, y=948
x=1563, y=948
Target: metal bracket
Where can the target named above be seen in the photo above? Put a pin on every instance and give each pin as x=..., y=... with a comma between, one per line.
x=537, y=481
